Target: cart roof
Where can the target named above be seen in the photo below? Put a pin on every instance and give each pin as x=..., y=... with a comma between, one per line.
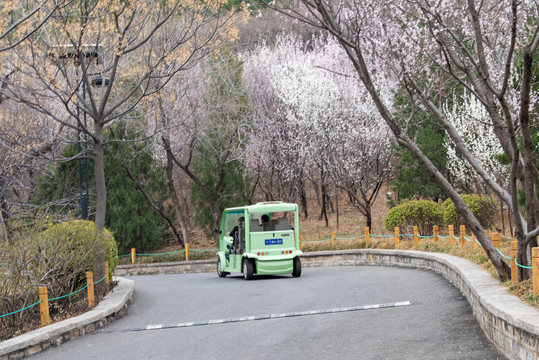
x=268, y=206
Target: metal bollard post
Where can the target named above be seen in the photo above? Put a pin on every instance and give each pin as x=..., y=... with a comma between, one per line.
x=462, y=235
x=133, y=255
x=535, y=270
x=367, y=236
x=187, y=251
x=44, y=306
x=435, y=233
x=299, y=241
x=451, y=234
x=397, y=239
x=416, y=235
x=514, y=247
x=90, y=282
x=107, y=274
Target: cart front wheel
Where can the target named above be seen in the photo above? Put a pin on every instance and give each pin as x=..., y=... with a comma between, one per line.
x=219, y=272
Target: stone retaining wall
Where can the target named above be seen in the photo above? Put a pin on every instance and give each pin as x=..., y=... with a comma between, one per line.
x=511, y=325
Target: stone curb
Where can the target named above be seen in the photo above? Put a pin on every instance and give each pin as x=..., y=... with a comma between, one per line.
x=509, y=323
x=111, y=307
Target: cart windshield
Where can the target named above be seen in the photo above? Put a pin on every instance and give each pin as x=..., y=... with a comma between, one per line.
x=271, y=221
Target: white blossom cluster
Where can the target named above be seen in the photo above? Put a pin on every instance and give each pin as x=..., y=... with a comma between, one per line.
x=473, y=124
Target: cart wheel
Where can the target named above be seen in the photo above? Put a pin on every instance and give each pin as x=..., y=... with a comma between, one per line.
x=297, y=267
x=247, y=269
x=219, y=272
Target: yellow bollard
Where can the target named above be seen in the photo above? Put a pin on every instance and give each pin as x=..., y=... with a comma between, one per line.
x=107, y=274
x=435, y=233
x=133, y=255
x=397, y=239
x=90, y=282
x=416, y=235
x=496, y=240
x=44, y=306
x=333, y=235
x=187, y=251
x=535, y=270
x=514, y=247
x=299, y=242
x=367, y=236
x=451, y=234
x=462, y=235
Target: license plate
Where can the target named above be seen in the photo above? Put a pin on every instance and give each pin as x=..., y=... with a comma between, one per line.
x=274, y=241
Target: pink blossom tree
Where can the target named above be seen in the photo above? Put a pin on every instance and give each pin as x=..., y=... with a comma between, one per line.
x=310, y=122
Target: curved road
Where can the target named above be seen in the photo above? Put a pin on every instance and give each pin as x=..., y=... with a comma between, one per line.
x=437, y=325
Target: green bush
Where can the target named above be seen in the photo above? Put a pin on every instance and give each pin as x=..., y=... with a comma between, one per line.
x=484, y=208
x=57, y=258
x=69, y=249
x=421, y=213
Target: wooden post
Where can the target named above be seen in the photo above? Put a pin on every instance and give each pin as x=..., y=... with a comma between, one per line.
x=107, y=274
x=416, y=235
x=367, y=236
x=462, y=235
x=535, y=270
x=333, y=235
x=44, y=306
x=451, y=234
x=397, y=240
x=488, y=233
x=90, y=282
x=435, y=233
x=133, y=255
x=187, y=251
x=514, y=270
x=496, y=240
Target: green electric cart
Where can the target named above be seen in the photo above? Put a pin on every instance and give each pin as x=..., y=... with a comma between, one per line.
x=261, y=239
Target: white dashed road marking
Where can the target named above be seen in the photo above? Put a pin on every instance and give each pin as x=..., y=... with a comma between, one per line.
x=272, y=316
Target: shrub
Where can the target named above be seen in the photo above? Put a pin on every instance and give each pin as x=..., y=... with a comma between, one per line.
x=69, y=249
x=484, y=208
x=421, y=213
x=57, y=258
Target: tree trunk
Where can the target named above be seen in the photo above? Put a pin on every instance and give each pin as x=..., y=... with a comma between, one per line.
x=176, y=201
x=303, y=197
x=324, y=213
x=527, y=149
x=368, y=217
x=101, y=203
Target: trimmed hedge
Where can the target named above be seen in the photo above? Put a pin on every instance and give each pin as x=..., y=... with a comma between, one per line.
x=421, y=213
x=485, y=209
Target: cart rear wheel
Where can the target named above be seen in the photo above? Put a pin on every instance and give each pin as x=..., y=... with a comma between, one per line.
x=297, y=267
x=247, y=269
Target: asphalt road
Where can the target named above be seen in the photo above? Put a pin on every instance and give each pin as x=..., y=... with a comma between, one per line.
x=437, y=325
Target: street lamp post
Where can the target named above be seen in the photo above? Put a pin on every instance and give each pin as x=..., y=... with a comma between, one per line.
x=84, y=193
x=88, y=52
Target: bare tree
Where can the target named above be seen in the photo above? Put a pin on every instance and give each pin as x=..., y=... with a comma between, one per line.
x=101, y=61
x=25, y=19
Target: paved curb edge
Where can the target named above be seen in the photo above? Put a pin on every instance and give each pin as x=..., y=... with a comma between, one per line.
x=111, y=307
